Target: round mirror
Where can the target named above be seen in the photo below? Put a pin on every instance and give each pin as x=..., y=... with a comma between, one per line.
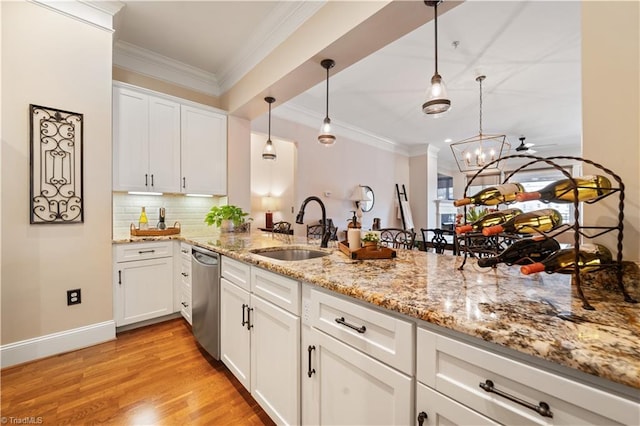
x=368, y=205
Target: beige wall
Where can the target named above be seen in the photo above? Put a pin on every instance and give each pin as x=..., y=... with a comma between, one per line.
x=611, y=111
x=52, y=60
x=239, y=162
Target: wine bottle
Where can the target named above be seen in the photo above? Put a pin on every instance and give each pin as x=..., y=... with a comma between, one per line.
x=561, y=191
x=590, y=257
x=490, y=219
x=492, y=195
x=527, y=223
x=143, y=222
x=523, y=252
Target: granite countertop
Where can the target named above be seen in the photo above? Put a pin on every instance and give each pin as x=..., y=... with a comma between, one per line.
x=539, y=315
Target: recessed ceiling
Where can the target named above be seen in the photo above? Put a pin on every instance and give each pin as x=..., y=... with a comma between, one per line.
x=529, y=52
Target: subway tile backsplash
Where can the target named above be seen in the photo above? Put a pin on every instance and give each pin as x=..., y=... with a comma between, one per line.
x=189, y=211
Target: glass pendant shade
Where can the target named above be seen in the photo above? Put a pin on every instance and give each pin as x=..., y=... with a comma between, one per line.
x=326, y=136
x=437, y=99
x=269, y=151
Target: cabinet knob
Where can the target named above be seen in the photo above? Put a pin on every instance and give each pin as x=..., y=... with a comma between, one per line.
x=184, y=304
x=184, y=274
x=422, y=416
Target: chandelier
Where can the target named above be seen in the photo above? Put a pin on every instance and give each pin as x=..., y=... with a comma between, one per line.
x=474, y=153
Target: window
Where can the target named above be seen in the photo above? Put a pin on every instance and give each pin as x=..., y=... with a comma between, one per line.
x=445, y=187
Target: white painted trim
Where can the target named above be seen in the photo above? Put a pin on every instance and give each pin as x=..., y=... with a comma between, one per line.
x=99, y=14
x=147, y=62
x=274, y=29
x=56, y=343
x=297, y=114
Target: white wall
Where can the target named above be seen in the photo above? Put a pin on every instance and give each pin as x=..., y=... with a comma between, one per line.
x=273, y=178
x=238, y=162
x=53, y=60
x=338, y=170
x=611, y=111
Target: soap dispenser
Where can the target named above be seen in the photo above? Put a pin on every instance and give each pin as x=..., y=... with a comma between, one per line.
x=353, y=233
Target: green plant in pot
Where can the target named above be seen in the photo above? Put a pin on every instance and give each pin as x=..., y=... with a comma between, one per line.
x=370, y=240
x=228, y=218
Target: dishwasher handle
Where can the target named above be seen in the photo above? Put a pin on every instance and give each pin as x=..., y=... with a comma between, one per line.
x=204, y=257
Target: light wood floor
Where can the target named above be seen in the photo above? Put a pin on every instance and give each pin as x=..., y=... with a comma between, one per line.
x=155, y=375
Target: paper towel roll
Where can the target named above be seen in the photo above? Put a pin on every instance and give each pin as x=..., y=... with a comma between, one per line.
x=353, y=238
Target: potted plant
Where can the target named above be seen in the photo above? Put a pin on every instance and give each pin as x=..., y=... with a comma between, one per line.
x=370, y=240
x=228, y=218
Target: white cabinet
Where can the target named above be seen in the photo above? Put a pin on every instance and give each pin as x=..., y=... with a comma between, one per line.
x=260, y=336
x=143, y=281
x=166, y=144
x=518, y=393
x=204, y=151
x=435, y=409
x=183, y=280
x=353, y=378
x=146, y=136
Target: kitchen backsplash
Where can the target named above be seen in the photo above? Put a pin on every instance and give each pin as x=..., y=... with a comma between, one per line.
x=189, y=211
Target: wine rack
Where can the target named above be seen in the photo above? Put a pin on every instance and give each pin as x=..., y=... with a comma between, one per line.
x=475, y=244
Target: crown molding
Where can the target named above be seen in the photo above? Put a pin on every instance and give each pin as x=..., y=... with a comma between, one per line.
x=297, y=114
x=286, y=18
x=99, y=14
x=143, y=61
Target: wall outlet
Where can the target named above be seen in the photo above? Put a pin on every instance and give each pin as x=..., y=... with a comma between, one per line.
x=74, y=297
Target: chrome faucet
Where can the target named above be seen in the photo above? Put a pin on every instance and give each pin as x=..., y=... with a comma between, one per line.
x=326, y=232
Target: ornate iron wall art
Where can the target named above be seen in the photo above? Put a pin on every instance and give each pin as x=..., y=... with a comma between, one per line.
x=56, y=166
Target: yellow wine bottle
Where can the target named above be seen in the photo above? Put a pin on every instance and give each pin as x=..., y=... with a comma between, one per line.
x=490, y=219
x=492, y=195
x=143, y=222
x=590, y=257
x=534, y=222
x=561, y=191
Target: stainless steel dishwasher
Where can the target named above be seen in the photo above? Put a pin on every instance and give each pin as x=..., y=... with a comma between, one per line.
x=205, y=276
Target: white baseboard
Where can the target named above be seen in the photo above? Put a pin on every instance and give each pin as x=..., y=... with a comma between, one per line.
x=56, y=343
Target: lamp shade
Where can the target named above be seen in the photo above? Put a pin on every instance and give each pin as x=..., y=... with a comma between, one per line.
x=360, y=194
x=269, y=203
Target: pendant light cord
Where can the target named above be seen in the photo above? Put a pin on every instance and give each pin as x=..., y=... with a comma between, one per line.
x=327, y=114
x=435, y=11
x=481, y=107
x=269, y=122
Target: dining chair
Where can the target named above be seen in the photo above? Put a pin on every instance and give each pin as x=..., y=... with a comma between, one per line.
x=315, y=231
x=282, y=227
x=397, y=238
x=437, y=241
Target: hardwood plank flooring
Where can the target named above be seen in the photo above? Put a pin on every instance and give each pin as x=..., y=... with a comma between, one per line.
x=156, y=375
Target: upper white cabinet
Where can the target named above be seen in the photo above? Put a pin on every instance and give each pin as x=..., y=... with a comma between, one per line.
x=146, y=149
x=204, y=151
x=165, y=144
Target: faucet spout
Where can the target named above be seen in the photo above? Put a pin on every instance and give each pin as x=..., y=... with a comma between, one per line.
x=326, y=233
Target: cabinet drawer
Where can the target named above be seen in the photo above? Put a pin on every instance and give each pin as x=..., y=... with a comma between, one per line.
x=185, y=272
x=281, y=291
x=379, y=335
x=441, y=410
x=237, y=272
x=185, y=251
x=143, y=251
x=457, y=369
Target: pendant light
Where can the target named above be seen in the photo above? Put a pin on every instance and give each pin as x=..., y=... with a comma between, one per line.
x=326, y=137
x=437, y=100
x=269, y=151
x=475, y=153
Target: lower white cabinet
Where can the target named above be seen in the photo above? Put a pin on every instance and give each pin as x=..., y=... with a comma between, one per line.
x=143, y=282
x=344, y=386
x=260, y=341
x=435, y=409
x=512, y=392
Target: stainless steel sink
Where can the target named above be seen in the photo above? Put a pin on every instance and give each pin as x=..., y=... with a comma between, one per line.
x=290, y=254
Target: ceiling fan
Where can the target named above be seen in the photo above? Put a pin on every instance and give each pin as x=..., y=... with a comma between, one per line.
x=525, y=147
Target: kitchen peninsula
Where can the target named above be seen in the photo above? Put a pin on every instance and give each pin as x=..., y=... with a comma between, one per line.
x=534, y=315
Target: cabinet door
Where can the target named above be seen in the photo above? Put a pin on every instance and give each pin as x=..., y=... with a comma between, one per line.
x=235, y=343
x=164, y=145
x=204, y=151
x=130, y=140
x=144, y=290
x=275, y=362
x=353, y=388
x=441, y=410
